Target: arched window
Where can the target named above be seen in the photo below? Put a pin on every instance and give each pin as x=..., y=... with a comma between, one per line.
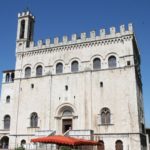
x=7, y=122
x=100, y=145
x=96, y=63
x=112, y=62
x=59, y=68
x=4, y=142
x=27, y=72
x=7, y=78
x=119, y=145
x=39, y=70
x=8, y=99
x=30, y=30
x=74, y=66
x=23, y=142
x=105, y=116
x=22, y=29
x=34, y=120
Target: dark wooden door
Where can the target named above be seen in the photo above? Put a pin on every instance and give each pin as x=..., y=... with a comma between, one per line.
x=66, y=125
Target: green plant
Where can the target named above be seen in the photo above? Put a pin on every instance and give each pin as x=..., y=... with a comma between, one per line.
x=65, y=148
x=19, y=148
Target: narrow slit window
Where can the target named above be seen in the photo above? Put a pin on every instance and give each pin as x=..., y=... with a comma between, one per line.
x=66, y=87
x=8, y=99
x=101, y=84
x=22, y=29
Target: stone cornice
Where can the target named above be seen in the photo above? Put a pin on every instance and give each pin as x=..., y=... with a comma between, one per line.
x=72, y=46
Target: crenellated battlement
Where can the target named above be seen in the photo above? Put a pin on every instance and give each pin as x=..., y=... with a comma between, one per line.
x=75, y=39
x=25, y=14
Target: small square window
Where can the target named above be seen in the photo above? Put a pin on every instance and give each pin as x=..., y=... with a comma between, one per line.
x=128, y=63
x=32, y=86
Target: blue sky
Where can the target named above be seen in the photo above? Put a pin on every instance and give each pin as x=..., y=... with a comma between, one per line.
x=65, y=17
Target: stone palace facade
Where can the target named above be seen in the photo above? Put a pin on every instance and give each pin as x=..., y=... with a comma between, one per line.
x=85, y=86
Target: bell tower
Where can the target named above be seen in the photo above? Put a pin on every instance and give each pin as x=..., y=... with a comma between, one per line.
x=24, y=30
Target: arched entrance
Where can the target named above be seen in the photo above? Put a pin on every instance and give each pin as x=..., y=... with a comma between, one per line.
x=23, y=143
x=119, y=145
x=65, y=115
x=4, y=142
x=100, y=145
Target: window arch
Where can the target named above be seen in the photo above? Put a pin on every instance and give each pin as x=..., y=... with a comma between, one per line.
x=8, y=99
x=59, y=68
x=100, y=145
x=39, y=70
x=34, y=120
x=96, y=63
x=112, y=63
x=119, y=145
x=27, y=72
x=22, y=29
x=7, y=122
x=74, y=66
x=105, y=116
x=7, y=78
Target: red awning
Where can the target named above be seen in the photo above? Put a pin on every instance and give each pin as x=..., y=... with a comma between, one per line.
x=63, y=140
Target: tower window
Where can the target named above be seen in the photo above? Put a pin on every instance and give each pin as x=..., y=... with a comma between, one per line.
x=7, y=78
x=12, y=76
x=74, y=66
x=112, y=62
x=27, y=72
x=59, y=68
x=105, y=116
x=30, y=30
x=7, y=122
x=34, y=120
x=96, y=63
x=39, y=70
x=22, y=29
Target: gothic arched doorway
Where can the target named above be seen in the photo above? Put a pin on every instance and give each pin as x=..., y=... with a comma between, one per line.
x=4, y=143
